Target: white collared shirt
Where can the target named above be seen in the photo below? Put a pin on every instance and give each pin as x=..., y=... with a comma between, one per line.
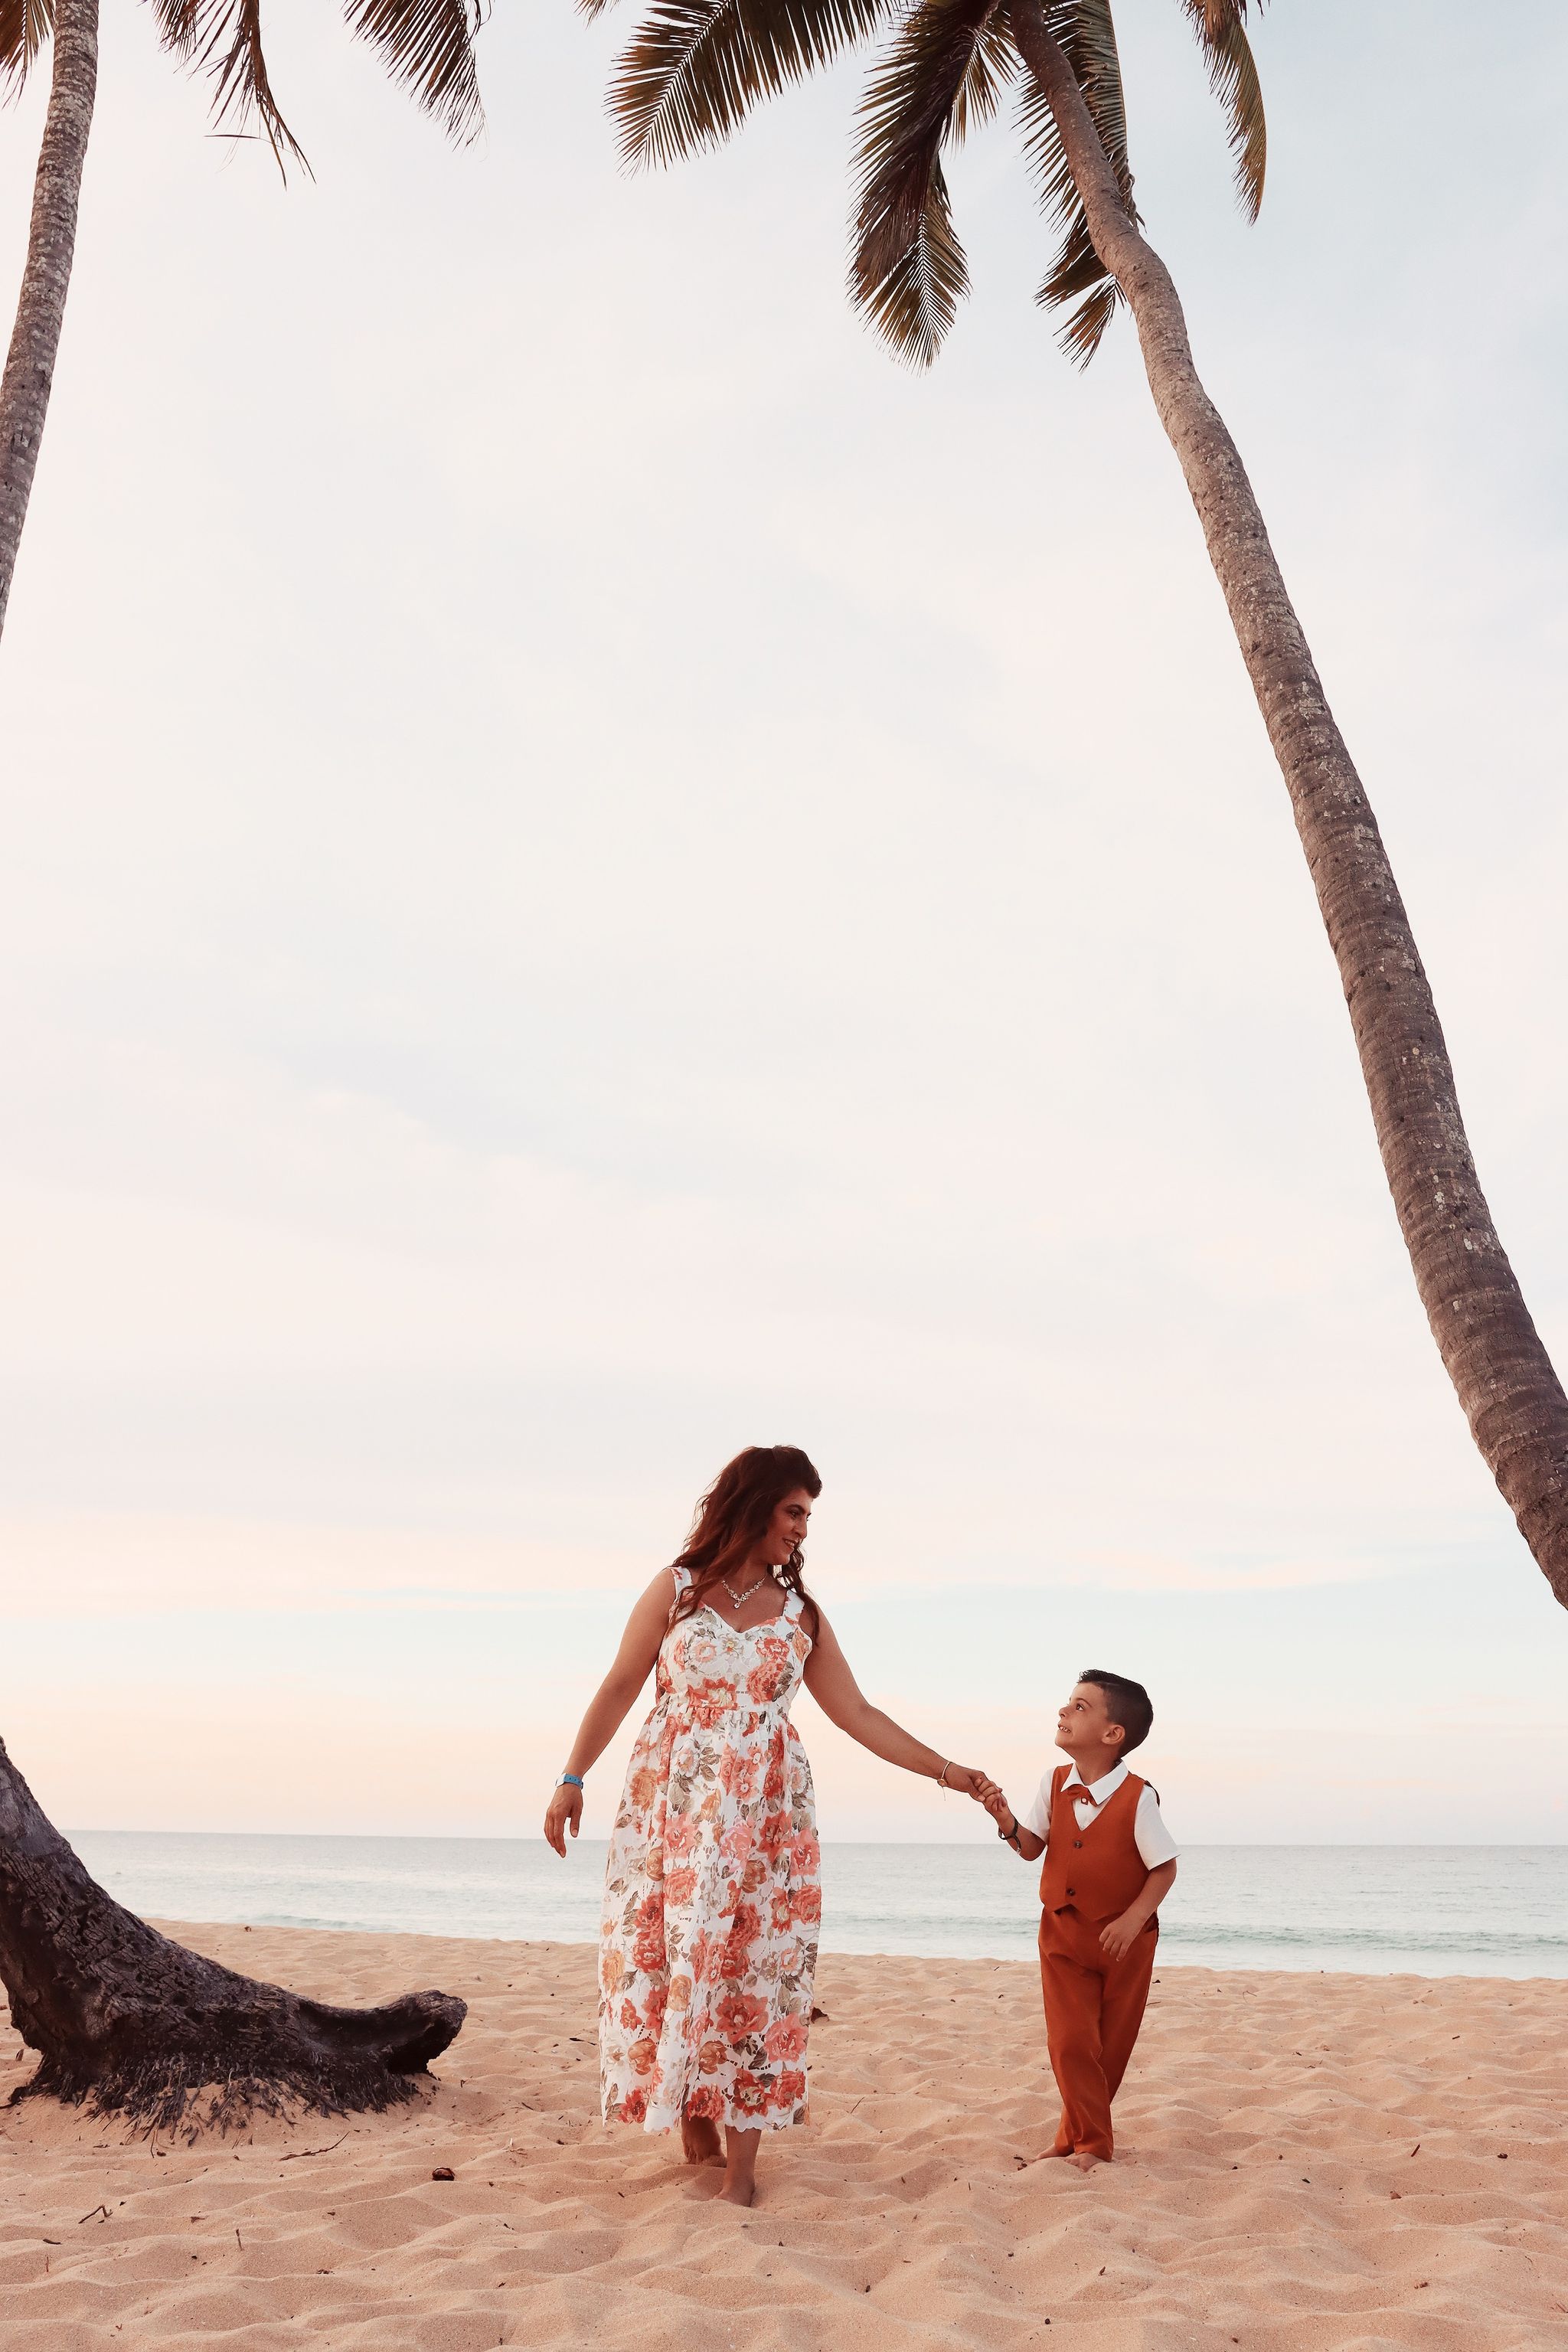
x=1153, y=1840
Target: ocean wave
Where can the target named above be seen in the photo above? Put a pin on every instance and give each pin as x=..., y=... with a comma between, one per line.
x=1424, y=1910
x=1359, y=1938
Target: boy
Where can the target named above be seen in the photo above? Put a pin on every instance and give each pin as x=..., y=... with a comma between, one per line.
x=1109, y=1863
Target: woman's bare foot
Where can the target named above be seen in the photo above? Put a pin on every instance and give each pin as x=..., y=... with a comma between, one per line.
x=700, y=2139
x=1084, y=2160
x=739, y=2168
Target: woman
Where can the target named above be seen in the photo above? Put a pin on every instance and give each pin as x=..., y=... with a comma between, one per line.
x=711, y=1891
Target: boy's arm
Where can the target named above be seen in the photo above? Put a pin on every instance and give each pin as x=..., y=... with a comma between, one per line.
x=1118, y=1935
x=1010, y=1827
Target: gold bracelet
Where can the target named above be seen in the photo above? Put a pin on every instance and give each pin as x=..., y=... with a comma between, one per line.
x=942, y=1776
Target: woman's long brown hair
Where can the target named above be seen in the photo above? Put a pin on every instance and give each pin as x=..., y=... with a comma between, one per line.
x=732, y=1518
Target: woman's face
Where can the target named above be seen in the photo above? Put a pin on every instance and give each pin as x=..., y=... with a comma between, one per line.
x=785, y=1528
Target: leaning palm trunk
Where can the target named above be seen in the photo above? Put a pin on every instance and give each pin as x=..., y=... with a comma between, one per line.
x=46, y=276
x=1512, y=1396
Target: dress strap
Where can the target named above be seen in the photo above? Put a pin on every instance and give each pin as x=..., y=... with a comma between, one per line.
x=794, y=1603
x=682, y=1583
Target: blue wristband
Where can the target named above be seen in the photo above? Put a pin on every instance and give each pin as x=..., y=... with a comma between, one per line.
x=569, y=1780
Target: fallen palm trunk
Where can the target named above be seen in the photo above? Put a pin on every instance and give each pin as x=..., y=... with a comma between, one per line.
x=136, y=2025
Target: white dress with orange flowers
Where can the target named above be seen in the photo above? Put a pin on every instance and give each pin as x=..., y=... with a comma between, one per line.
x=712, y=1892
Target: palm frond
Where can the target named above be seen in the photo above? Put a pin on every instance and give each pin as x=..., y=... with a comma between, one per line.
x=1220, y=28
x=906, y=269
x=25, y=26
x=430, y=46
x=1087, y=36
x=221, y=39
x=993, y=64
x=915, y=301
x=694, y=69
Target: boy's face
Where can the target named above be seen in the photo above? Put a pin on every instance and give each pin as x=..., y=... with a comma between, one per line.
x=1084, y=1728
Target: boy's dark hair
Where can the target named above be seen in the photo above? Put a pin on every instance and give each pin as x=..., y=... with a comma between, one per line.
x=1126, y=1703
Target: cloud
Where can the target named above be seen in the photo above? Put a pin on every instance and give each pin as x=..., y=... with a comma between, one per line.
x=134, y=1565
x=1151, y=1573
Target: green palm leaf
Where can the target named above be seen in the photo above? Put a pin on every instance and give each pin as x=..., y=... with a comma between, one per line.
x=25, y=26
x=221, y=39
x=694, y=69
x=1088, y=38
x=430, y=46
x=940, y=73
x=1220, y=27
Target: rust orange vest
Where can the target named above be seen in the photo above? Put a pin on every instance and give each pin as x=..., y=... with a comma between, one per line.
x=1097, y=1872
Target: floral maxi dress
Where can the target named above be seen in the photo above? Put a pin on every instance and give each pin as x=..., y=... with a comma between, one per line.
x=712, y=1892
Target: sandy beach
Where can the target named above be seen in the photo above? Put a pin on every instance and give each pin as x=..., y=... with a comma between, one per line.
x=1307, y=2164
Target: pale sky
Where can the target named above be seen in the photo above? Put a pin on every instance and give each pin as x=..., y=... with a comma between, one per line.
x=595, y=873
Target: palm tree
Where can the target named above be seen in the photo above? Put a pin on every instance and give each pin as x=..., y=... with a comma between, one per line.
x=691, y=73
x=427, y=44
x=120, y=2015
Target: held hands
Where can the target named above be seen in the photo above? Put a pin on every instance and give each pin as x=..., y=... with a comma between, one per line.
x=995, y=1803
x=565, y=1809
x=969, y=1781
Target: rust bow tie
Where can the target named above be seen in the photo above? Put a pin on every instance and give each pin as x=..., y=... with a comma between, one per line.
x=1080, y=1795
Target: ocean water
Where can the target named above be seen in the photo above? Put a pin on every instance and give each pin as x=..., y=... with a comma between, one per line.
x=1462, y=1910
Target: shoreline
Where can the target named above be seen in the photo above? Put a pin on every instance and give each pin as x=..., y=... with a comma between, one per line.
x=184, y=1931
x=1305, y=2164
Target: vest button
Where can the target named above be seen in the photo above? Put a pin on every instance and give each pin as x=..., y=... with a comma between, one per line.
x=1078, y=1841
x=1072, y=1890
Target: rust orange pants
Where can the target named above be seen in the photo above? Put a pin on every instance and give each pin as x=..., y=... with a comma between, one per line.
x=1094, y=2007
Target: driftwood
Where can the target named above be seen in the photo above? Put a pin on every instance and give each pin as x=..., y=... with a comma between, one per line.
x=133, y=2024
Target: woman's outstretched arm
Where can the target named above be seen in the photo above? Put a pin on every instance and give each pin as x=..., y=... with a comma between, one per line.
x=843, y=1702
x=612, y=1702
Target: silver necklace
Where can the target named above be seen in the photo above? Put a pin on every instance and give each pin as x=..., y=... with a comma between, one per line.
x=738, y=1599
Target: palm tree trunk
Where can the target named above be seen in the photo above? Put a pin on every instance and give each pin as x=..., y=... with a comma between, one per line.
x=1503, y=1377
x=51, y=243
x=139, y=2026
